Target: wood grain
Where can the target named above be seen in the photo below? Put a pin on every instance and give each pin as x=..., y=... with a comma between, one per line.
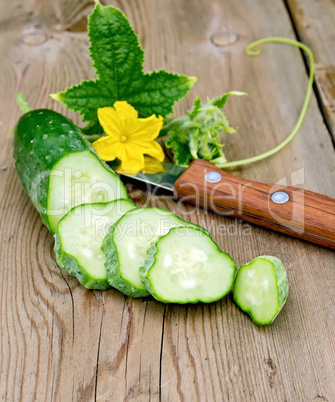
x=61, y=342
x=314, y=22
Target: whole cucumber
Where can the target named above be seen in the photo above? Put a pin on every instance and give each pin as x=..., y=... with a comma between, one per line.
x=42, y=139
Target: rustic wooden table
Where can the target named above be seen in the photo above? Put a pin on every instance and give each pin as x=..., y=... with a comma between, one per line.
x=62, y=342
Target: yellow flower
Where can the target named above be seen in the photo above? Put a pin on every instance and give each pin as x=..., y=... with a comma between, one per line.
x=128, y=137
x=152, y=166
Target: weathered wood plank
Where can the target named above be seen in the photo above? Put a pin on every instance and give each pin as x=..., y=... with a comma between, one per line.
x=60, y=341
x=314, y=22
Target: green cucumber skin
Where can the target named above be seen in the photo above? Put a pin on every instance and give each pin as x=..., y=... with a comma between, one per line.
x=42, y=137
x=113, y=268
x=150, y=261
x=71, y=264
x=35, y=156
x=282, y=281
x=112, y=262
x=282, y=285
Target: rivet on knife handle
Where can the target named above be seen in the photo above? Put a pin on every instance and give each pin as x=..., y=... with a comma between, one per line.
x=290, y=210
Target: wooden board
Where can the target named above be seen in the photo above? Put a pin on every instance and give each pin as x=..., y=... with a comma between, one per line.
x=314, y=22
x=62, y=342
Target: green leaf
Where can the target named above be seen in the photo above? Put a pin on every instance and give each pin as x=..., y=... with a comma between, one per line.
x=180, y=148
x=220, y=101
x=197, y=134
x=196, y=106
x=118, y=61
x=86, y=98
x=115, y=50
x=158, y=91
x=93, y=128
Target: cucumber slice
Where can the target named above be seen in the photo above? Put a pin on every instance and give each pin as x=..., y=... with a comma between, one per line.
x=187, y=266
x=80, y=178
x=79, y=237
x=58, y=168
x=126, y=245
x=261, y=288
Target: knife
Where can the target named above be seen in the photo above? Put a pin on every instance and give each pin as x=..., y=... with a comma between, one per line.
x=289, y=210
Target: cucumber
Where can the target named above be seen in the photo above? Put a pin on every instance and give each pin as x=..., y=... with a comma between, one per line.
x=187, y=266
x=79, y=237
x=261, y=288
x=127, y=242
x=58, y=167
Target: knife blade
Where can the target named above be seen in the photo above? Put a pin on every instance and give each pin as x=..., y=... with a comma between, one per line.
x=165, y=179
x=290, y=210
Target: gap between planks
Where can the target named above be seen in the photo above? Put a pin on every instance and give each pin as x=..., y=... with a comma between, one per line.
x=316, y=90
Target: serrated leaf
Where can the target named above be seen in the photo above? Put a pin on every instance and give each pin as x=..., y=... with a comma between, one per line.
x=180, y=149
x=118, y=62
x=220, y=101
x=197, y=134
x=158, y=91
x=115, y=50
x=85, y=98
x=196, y=106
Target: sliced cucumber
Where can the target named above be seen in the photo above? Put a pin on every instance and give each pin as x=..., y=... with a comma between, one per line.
x=261, y=288
x=187, y=266
x=127, y=243
x=58, y=168
x=79, y=237
x=80, y=178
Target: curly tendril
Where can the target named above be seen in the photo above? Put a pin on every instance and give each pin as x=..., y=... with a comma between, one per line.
x=252, y=50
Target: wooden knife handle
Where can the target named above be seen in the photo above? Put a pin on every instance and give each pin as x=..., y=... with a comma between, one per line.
x=290, y=210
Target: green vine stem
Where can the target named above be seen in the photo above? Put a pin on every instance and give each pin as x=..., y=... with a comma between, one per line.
x=22, y=103
x=251, y=50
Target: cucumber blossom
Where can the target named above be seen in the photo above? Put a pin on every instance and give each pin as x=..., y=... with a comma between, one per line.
x=261, y=288
x=58, y=167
